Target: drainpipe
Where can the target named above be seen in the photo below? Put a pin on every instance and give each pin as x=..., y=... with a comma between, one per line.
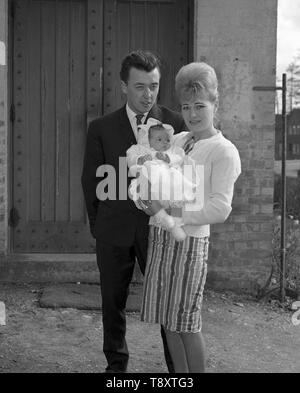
x=283, y=194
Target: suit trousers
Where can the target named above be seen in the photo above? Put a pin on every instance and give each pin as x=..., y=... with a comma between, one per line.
x=116, y=266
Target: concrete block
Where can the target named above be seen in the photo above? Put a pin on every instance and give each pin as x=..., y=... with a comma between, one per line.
x=84, y=297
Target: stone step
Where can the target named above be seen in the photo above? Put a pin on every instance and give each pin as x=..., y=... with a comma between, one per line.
x=84, y=297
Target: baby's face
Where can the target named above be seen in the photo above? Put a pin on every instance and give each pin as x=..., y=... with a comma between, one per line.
x=159, y=140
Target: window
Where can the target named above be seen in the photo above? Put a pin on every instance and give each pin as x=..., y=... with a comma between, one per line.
x=296, y=148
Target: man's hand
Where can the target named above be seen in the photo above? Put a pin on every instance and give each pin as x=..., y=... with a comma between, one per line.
x=163, y=156
x=150, y=207
x=143, y=159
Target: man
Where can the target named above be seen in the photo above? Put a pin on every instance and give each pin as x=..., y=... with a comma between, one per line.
x=120, y=229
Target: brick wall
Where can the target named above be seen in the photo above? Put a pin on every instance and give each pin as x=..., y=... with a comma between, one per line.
x=238, y=38
x=3, y=132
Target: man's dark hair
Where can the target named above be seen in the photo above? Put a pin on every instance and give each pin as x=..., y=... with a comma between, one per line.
x=141, y=60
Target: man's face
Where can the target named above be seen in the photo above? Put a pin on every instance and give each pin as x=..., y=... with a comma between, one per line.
x=141, y=89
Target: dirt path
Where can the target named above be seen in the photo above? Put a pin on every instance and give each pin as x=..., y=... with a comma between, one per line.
x=241, y=336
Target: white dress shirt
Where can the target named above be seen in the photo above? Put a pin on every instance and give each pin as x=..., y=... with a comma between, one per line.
x=132, y=118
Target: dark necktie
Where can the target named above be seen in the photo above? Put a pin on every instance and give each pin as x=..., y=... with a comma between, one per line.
x=188, y=146
x=139, y=119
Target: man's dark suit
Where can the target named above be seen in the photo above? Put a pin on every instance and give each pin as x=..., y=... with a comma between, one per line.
x=120, y=229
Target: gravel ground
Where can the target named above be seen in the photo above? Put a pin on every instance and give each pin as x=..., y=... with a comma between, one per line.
x=242, y=336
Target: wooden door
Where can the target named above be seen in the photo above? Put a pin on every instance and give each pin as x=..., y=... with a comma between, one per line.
x=162, y=26
x=56, y=53
x=66, y=62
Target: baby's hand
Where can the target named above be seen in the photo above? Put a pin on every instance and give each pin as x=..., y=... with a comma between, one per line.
x=163, y=156
x=143, y=159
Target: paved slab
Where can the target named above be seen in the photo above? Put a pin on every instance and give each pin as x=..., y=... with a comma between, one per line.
x=84, y=297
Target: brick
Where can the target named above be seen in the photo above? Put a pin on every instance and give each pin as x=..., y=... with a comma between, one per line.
x=266, y=227
x=240, y=245
x=259, y=218
x=257, y=164
x=255, y=254
x=260, y=236
x=238, y=218
x=250, y=227
x=243, y=209
x=267, y=208
x=268, y=182
x=261, y=200
x=267, y=191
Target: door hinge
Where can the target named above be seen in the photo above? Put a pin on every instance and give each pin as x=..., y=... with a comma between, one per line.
x=12, y=113
x=14, y=217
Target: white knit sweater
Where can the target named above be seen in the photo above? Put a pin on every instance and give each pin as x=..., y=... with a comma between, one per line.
x=222, y=166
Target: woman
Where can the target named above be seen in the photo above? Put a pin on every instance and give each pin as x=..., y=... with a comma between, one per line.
x=176, y=271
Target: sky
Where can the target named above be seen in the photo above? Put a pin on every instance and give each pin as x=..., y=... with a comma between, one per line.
x=288, y=33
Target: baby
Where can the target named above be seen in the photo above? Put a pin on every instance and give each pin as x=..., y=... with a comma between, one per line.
x=154, y=160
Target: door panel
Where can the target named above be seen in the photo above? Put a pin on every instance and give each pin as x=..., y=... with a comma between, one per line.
x=50, y=96
x=161, y=26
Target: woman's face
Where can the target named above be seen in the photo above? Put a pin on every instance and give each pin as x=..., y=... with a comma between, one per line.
x=198, y=114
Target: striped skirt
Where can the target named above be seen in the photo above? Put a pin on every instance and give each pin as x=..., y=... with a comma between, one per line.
x=174, y=281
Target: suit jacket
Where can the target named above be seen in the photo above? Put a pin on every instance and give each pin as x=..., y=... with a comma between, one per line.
x=116, y=219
